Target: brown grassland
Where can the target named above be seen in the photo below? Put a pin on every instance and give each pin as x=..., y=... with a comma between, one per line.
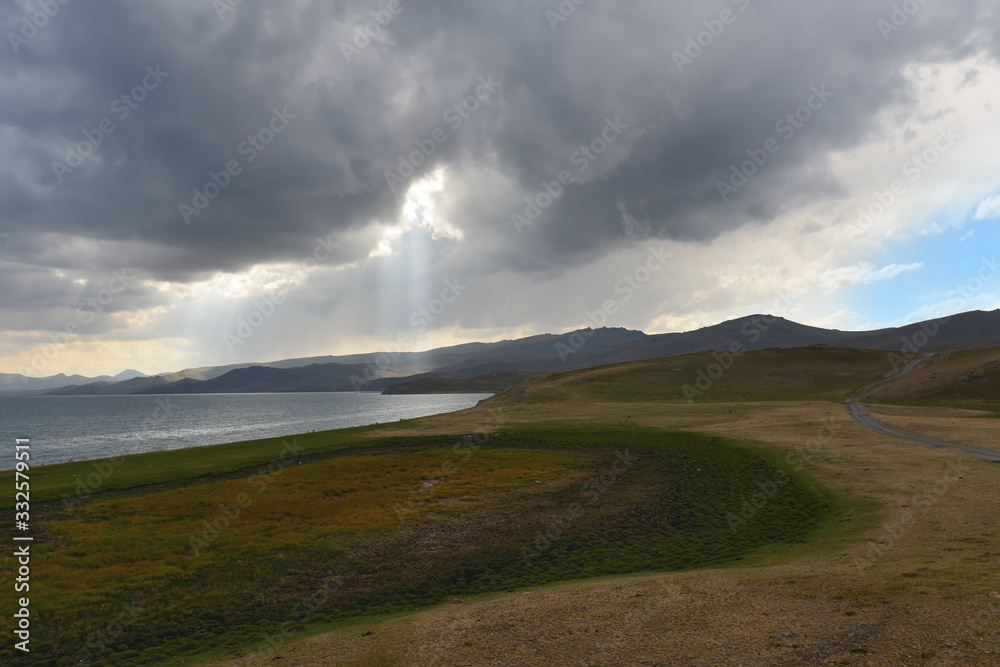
x=905, y=579
x=900, y=573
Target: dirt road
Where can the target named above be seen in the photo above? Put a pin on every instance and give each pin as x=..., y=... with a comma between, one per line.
x=860, y=413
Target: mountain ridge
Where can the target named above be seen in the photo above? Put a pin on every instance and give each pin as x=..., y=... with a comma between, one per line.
x=16, y=382
x=378, y=371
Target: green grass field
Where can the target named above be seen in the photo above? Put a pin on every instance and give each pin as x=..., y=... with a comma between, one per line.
x=800, y=374
x=52, y=482
x=965, y=379
x=214, y=565
x=173, y=557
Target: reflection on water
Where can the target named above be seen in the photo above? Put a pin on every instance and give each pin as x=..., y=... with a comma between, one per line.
x=90, y=427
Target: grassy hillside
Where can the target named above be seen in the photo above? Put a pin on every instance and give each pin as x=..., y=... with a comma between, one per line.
x=798, y=374
x=487, y=383
x=964, y=379
x=214, y=567
x=175, y=556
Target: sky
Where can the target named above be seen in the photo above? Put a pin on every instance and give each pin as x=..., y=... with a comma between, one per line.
x=208, y=182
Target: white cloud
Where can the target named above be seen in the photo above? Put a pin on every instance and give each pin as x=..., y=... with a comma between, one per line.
x=863, y=273
x=988, y=209
x=257, y=280
x=936, y=194
x=844, y=319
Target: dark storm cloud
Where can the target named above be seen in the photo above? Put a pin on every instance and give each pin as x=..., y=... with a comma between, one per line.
x=561, y=81
x=699, y=122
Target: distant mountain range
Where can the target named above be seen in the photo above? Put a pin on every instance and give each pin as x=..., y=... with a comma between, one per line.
x=489, y=367
x=16, y=383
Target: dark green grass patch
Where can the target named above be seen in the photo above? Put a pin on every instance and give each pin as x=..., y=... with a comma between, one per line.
x=637, y=500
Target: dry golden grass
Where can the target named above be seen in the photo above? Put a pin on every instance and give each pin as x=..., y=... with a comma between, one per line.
x=940, y=381
x=906, y=581
x=965, y=427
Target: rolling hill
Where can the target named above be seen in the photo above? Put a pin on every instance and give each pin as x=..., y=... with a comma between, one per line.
x=17, y=383
x=485, y=363
x=817, y=372
x=962, y=379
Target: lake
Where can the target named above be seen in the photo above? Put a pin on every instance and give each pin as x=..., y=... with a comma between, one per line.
x=92, y=427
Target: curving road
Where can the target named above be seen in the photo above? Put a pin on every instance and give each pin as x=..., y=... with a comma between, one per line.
x=860, y=414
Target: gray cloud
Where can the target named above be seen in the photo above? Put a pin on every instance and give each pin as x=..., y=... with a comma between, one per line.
x=325, y=172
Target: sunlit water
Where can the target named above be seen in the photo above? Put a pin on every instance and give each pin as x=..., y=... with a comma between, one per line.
x=90, y=427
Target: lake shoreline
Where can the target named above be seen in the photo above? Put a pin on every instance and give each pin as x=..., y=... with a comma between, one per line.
x=77, y=428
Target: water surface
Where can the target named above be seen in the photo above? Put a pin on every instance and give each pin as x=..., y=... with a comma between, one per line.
x=91, y=427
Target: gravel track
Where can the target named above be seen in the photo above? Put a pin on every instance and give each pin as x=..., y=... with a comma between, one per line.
x=860, y=414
